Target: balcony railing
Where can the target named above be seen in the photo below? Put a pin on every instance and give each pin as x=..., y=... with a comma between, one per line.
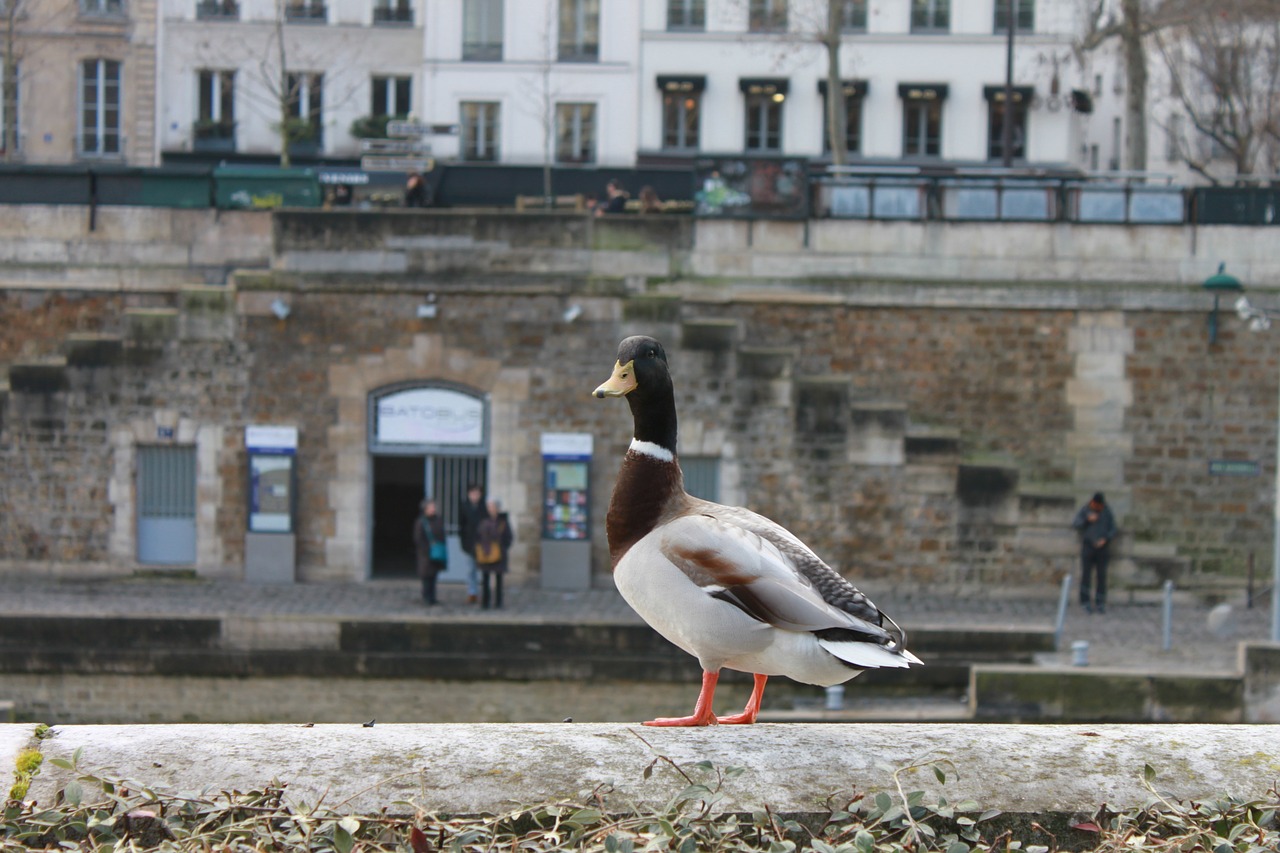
x=982, y=198
x=306, y=12
x=217, y=10
x=392, y=15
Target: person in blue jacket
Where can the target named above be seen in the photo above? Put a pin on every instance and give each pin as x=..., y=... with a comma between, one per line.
x=1097, y=527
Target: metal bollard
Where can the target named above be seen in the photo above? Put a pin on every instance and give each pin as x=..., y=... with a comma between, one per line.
x=1168, y=616
x=1062, y=611
x=1080, y=653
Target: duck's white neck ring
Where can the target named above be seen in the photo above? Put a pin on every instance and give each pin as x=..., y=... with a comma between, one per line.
x=648, y=448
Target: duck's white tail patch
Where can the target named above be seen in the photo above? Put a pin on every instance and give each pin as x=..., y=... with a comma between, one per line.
x=648, y=448
x=869, y=655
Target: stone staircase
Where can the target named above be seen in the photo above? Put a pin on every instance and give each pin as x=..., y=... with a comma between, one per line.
x=976, y=518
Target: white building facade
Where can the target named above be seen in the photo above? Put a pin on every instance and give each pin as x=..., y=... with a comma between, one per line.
x=617, y=82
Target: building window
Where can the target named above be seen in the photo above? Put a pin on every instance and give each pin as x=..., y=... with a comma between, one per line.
x=854, y=91
x=305, y=98
x=687, y=14
x=579, y=30
x=853, y=17
x=480, y=126
x=393, y=12
x=1024, y=10
x=216, y=119
x=763, y=100
x=306, y=11
x=217, y=10
x=767, y=16
x=922, y=119
x=392, y=96
x=102, y=8
x=681, y=111
x=995, y=121
x=10, y=109
x=930, y=16
x=575, y=133
x=482, y=31
x=100, y=108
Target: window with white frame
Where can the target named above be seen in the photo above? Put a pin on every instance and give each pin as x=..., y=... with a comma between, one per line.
x=579, y=30
x=762, y=102
x=482, y=30
x=575, y=133
x=1024, y=14
x=99, y=108
x=480, y=126
x=306, y=103
x=391, y=96
x=767, y=16
x=995, y=122
x=216, y=104
x=687, y=14
x=852, y=92
x=853, y=16
x=930, y=16
x=681, y=111
x=922, y=119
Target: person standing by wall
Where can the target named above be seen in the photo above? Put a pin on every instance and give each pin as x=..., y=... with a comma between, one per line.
x=493, y=542
x=1097, y=527
x=470, y=514
x=431, y=550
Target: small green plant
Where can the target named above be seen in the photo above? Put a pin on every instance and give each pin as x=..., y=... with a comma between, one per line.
x=27, y=766
x=372, y=126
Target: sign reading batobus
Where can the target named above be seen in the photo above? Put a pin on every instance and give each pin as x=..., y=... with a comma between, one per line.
x=429, y=416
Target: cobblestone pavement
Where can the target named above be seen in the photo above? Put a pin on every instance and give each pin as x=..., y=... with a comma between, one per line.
x=1129, y=635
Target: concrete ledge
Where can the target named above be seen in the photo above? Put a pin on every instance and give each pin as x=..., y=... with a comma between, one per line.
x=468, y=769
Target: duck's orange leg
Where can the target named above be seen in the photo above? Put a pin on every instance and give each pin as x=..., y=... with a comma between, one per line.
x=752, y=710
x=702, y=713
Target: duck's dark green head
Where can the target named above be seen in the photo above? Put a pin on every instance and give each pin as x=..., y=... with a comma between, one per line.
x=641, y=376
x=641, y=366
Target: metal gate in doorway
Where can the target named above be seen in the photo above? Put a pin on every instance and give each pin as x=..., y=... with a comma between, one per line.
x=167, y=505
x=447, y=481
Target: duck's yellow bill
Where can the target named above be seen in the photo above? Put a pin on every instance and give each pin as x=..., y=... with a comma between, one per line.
x=621, y=383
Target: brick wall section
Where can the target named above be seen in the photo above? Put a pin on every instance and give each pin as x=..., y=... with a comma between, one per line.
x=1192, y=403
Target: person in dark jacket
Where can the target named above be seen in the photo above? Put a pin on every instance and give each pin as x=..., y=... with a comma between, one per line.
x=1097, y=527
x=430, y=548
x=416, y=191
x=493, y=542
x=470, y=514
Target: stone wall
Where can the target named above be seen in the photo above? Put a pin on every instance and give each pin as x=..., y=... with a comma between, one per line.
x=922, y=432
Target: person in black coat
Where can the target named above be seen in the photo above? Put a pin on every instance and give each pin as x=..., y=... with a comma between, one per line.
x=470, y=514
x=430, y=547
x=1097, y=527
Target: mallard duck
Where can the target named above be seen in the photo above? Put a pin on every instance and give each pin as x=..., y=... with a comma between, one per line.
x=726, y=585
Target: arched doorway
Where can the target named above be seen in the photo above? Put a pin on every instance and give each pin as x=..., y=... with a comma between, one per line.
x=425, y=440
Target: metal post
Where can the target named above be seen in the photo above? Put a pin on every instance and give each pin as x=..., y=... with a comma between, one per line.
x=1006, y=127
x=1167, y=642
x=1275, y=553
x=1062, y=611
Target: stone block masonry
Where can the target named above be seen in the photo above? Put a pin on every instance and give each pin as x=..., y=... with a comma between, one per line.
x=852, y=410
